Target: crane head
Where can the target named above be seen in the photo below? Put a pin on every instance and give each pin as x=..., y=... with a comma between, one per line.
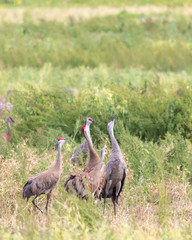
x=9, y=119
x=61, y=141
x=104, y=151
x=89, y=120
x=87, y=123
x=111, y=122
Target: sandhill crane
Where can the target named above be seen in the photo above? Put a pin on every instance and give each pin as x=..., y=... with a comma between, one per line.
x=95, y=180
x=8, y=134
x=74, y=181
x=4, y=105
x=95, y=169
x=94, y=172
x=82, y=151
x=96, y=177
x=115, y=170
x=44, y=182
x=93, y=156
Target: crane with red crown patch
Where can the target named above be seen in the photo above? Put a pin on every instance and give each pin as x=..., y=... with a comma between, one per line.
x=81, y=153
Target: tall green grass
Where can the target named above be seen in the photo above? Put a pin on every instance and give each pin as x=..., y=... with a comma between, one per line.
x=80, y=3
x=135, y=66
x=148, y=104
x=148, y=107
x=159, y=43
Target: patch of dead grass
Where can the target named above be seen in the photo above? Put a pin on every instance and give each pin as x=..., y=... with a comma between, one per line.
x=19, y=15
x=142, y=212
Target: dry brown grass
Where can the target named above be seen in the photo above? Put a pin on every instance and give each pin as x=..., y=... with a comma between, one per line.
x=139, y=208
x=19, y=15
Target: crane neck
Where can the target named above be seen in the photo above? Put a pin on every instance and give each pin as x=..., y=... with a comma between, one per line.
x=8, y=126
x=88, y=135
x=102, y=156
x=93, y=157
x=58, y=162
x=115, y=145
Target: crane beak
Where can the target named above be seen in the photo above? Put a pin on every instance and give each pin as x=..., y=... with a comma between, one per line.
x=94, y=121
x=114, y=117
x=12, y=120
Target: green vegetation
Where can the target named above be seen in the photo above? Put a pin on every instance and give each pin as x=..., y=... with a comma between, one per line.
x=79, y=3
x=158, y=42
x=137, y=66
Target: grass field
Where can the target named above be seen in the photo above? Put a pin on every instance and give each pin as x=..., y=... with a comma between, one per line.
x=136, y=65
x=69, y=3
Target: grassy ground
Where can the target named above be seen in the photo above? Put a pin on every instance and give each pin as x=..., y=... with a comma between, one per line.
x=159, y=42
x=137, y=66
x=67, y=3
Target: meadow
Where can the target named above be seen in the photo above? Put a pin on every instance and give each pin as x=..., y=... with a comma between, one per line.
x=135, y=65
x=80, y=3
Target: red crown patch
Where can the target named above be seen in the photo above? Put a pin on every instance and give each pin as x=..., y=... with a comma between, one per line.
x=60, y=139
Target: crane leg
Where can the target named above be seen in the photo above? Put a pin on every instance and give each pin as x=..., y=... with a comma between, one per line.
x=106, y=191
x=114, y=199
x=115, y=204
x=48, y=197
x=36, y=205
x=104, y=205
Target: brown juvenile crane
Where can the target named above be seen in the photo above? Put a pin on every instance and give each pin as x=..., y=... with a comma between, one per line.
x=7, y=136
x=80, y=154
x=74, y=181
x=44, y=182
x=94, y=172
x=93, y=156
x=95, y=180
x=115, y=170
x=96, y=177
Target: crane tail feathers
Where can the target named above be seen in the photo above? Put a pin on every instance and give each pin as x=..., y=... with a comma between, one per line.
x=74, y=184
x=122, y=184
x=67, y=183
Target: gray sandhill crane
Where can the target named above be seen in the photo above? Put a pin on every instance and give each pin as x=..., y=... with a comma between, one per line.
x=44, y=182
x=82, y=151
x=94, y=172
x=115, y=170
x=7, y=136
x=4, y=105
